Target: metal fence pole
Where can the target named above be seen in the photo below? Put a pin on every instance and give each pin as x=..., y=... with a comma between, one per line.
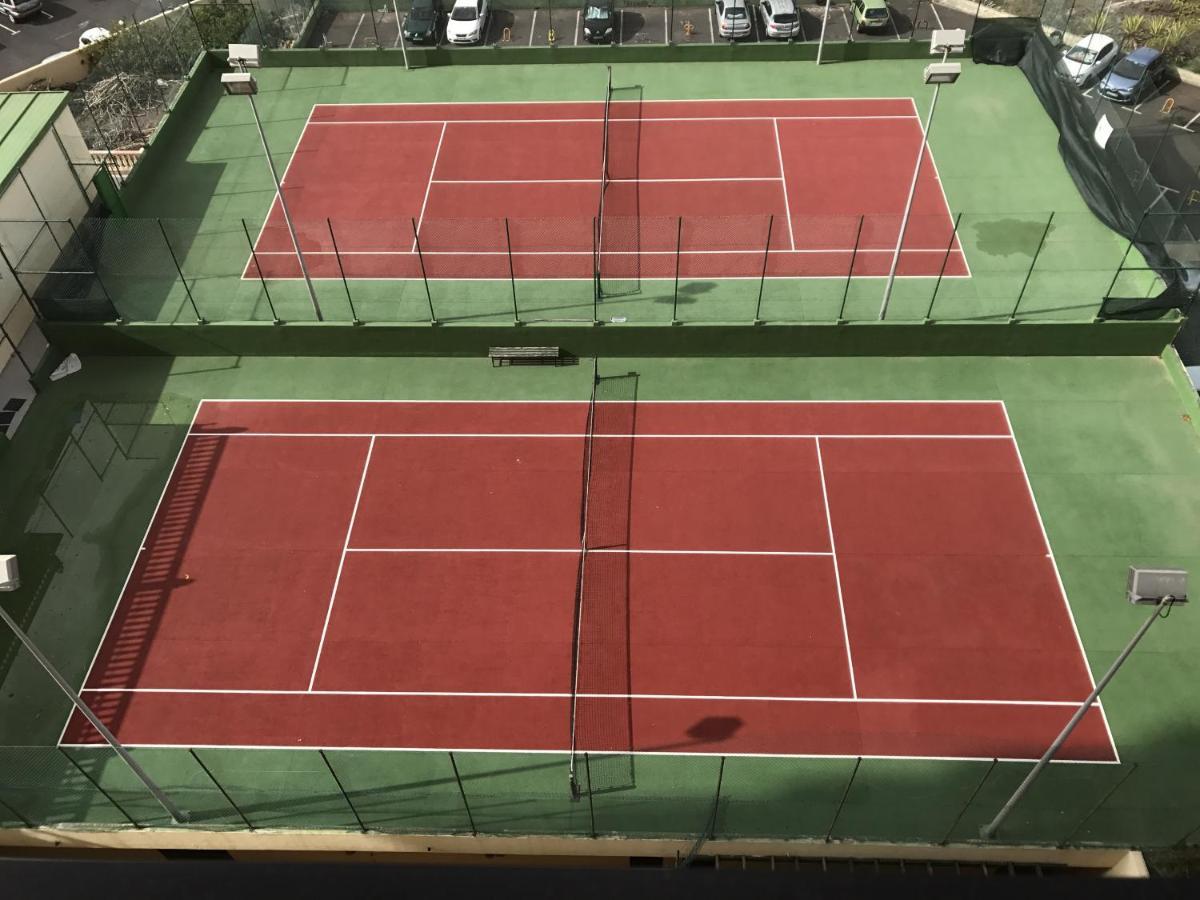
x=762, y=281
x=258, y=268
x=200, y=34
x=25, y=820
x=942, y=271
x=20, y=284
x=595, y=271
x=5, y=336
x=463, y=792
x=962, y=812
x=841, y=316
x=374, y=28
x=512, y=275
x=95, y=262
x=841, y=803
x=262, y=35
x=220, y=787
x=1095, y=809
x=975, y=18
x=132, y=821
x=433, y=319
x=137, y=29
x=912, y=32
x=345, y=284
x=178, y=268
x=678, y=249
x=1182, y=842
x=181, y=66
x=1033, y=262
x=345, y=796
x=711, y=826
x=587, y=768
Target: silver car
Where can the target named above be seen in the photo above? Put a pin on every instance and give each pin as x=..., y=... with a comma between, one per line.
x=733, y=18
x=780, y=18
x=16, y=10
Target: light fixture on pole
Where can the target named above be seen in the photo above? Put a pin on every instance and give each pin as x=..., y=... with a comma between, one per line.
x=944, y=41
x=242, y=83
x=1160, y=588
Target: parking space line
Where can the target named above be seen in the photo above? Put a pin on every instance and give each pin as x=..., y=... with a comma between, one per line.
x=354, y=37
x=533, y=27
x=892, y=22
x=10, y=30
x=800, y=22
x=578, y=13
x=849, y=31
x=936, y=15
x=712, y=38
x=666, y=27
x=1187, y=126
x=783, y=179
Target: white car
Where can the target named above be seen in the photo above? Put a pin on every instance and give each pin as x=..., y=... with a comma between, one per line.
x=780, y=18
x=1089, y=58
x=468, y=22
x=733, y=18
x=93, y=36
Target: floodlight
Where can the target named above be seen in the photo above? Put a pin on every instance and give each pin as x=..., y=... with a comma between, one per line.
x=10, y=578
x=1153, y=586
x=240, y=83
x=942, y=73
x=244, y=55
x=948, y=40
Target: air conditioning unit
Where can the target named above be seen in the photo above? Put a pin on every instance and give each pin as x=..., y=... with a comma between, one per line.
x=10, y=578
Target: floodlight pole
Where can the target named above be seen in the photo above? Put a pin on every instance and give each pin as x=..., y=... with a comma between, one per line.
x=912, y=192
x=988, y=831
x=178, y=815
x=287, y=216
x=824, y=22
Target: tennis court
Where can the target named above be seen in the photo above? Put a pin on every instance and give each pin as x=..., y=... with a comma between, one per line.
x=734, y=578
x=625, y=189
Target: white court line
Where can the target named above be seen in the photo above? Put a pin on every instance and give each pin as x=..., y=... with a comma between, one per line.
x=564, y=750
x=945, y=200
x=275, y=200
x=440, y=104
x=429, y=184
x=783, y=178
x=129, y=575
x=639, y=402
x=470, y=253
x=597, y=180
x=837, y=575
x=568, y=435
x=1062, y=590
x=354, y=36
x=341, y=562
x=575, y=550
x=643, y=120
x=540, y=695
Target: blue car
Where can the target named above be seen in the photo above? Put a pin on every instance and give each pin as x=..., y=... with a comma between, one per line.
x=1140, y=74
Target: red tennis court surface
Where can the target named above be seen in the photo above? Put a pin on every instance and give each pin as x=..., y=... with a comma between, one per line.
x=833, y=174
x=785, y=578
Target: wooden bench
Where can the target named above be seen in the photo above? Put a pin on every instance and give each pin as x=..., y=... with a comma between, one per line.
x=527, y=356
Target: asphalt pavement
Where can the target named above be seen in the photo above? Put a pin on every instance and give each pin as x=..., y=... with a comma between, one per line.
x=58, y=26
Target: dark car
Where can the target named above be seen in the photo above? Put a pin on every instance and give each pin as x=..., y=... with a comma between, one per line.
x=1140, y=74
x=421, y=25
x=598, y=18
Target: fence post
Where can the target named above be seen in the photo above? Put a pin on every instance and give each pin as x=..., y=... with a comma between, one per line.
x=1029, y=274
x=762, y=281
x=942, y=271
x=975, y=18
x=182, y=68
x=95, y=269
x=20, y=284
x=258, y=268
x=512, y=275
x=587, y=768
x=710, y=828
x=374, y=27
x=355, y=320
x=841, y=803
x=595, y=271
x=137, y=27
x=5, y=336
x=462, y=792
x=1095, y=809
x=912, y=32
x=345, y=796
x=200, y=34
x=841, y=316
x=962, y=812
x=134, y=822
x=220, y=787
x=433, y=319
x=178, y=268
x=262, y=35
x=678, y=249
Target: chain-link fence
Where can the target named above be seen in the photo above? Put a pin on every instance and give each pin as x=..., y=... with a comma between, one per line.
x=969, y=267
x=671, y=796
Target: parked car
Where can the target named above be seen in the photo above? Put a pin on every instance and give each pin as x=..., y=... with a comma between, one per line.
x=16, y=10
x=421, y=24
x=1140, y=74
x=780, y=18
x=870, y=14
x=93, y=36
x=468, y=22
x=598, y=21
x=1089, y=58
x=733, y=18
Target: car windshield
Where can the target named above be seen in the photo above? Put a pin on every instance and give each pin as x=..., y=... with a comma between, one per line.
x=785, y=18
x=595, y=12
x=1129, y=68
x=464, y=14
x=1081, y=54
x=735, y=12
x=876, y=13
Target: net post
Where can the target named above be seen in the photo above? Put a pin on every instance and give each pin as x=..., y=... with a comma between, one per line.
x=463, y=793
x=512, y=275
x=762, y=281
x=433, y=319
x=1012, y=317
x=962, y=812
x=345, y=796
x=587, y=771
x=595, y=271
x=254, y=256
x=132, y=821
x=183, y=278
x=942, y=271
x=841, y=316
x=355, y=320
x=842, y=802
x=678, y=253
x=224, y=793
